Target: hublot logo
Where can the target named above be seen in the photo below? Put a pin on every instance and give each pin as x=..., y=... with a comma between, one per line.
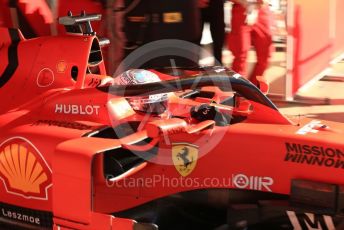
x=77, y=109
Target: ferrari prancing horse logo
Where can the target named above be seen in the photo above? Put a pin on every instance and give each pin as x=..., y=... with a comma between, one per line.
x=184, y=156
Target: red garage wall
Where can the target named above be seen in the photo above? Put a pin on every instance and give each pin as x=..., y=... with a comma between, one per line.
x=317, y=35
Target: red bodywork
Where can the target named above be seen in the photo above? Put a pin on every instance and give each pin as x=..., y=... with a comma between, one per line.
x=54, y=110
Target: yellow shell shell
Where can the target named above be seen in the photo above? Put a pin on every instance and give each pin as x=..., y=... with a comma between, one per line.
x=21, y=168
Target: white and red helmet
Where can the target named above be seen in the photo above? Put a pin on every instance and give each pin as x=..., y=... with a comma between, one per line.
x=155, y=103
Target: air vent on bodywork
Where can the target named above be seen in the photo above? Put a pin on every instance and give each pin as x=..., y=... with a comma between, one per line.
x=120, y=131
x=95, y=54
x=120, y=161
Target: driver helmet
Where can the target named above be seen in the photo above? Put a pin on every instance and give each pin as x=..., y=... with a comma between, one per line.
x=153, y=104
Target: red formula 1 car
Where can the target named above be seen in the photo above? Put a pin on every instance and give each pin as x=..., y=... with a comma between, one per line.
x=200, y=149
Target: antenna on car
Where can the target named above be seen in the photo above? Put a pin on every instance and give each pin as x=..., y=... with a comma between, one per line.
x=80, y=24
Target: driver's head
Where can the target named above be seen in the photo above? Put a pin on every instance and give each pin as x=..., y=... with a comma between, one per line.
x=155, y=103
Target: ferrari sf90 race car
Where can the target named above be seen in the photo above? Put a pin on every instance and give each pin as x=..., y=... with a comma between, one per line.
x=173, y=148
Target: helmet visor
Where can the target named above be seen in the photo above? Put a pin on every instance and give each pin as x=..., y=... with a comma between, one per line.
x=154, y=104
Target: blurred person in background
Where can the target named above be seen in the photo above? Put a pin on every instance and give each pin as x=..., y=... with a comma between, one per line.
x=212, y=11
x=251, y=25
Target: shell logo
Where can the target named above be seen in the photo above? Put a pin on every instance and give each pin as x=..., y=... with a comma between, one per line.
x=23, y=169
